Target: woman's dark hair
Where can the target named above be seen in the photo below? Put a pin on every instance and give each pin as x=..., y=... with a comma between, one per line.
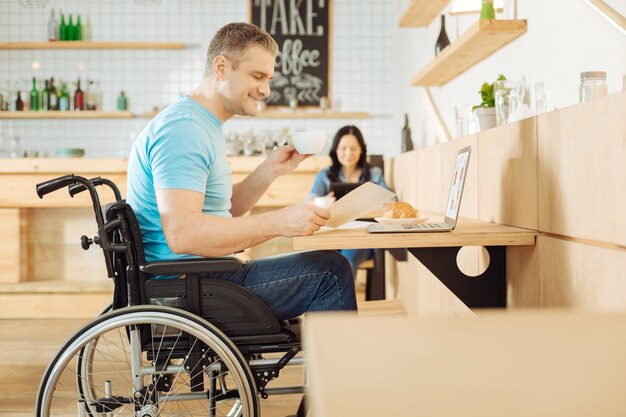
x=335, y=168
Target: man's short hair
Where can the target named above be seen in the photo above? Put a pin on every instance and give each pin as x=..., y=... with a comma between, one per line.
x=234, y=40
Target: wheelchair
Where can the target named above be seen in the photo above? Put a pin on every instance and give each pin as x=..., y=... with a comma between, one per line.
x=165, y=347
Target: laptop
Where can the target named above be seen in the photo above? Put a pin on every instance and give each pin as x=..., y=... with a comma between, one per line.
x=452, y=206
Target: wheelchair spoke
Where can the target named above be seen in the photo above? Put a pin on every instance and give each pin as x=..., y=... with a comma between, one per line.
x=157, y=371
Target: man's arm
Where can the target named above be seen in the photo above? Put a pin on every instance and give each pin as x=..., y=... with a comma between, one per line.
x=187, y=230
x=246, y=193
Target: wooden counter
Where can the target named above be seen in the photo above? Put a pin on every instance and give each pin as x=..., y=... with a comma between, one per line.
x=40, y=236
x=18, y=177
x=467, y=233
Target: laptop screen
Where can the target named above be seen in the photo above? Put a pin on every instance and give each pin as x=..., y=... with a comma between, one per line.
x=456, y=187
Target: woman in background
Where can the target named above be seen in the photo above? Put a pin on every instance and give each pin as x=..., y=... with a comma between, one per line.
x=349, y=165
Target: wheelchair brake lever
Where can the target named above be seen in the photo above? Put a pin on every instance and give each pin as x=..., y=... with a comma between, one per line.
x=104, y=241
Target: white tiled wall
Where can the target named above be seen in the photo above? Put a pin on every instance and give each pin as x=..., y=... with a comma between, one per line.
x=362, y=62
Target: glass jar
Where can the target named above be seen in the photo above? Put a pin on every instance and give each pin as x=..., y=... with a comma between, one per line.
x=592, y=85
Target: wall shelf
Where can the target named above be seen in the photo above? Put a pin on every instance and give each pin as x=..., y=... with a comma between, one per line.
x=481, y=40
x=270, y=114
x=30, y=115
x=308, y=114
x=422, y=12
x=90, y=45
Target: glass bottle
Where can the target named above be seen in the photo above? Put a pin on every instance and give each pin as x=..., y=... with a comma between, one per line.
x=86, y=31
x=79, y=98
x=90, y=96
x=592, y=85
x=487, y=11
x=34, y=96
x=53, y=96
x=122, y=101
x=407, y=143
x=44, y=104
x=71, y=30
x=442, y=40
x=19, y=104
x=4, y=96
x=78, y=30
x=64, y=97
x=63, y=29
x=53, y=27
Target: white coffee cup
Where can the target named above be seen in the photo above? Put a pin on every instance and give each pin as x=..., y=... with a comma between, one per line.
x=309, y=143
x=324, y=202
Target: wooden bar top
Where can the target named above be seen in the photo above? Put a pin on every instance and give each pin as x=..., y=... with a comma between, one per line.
x=119, y=165
x=466, y=233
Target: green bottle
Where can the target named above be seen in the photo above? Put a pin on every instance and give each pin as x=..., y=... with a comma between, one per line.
x=122, y=102
x=79, y=30
x=71, y=30
x=487, y=11
x=63, y=29
x=34, y=96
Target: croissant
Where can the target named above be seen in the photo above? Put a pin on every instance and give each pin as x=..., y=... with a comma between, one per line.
x=400, y=210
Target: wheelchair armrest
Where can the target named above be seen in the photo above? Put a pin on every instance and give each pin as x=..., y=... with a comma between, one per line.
x=192, y=266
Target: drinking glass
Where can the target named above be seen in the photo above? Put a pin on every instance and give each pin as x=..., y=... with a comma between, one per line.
x=502, y=91
x=464, y=115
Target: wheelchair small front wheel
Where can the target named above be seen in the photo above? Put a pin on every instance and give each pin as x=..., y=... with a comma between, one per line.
x=148, y=361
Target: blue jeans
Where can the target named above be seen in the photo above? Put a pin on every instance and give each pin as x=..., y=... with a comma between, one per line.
x=356, y=257
x=293, y=284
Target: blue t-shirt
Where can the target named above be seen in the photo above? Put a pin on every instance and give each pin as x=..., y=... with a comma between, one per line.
x=321, y=185
x=182, y=147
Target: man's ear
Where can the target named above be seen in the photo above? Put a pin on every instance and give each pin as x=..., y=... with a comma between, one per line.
x=220, y=64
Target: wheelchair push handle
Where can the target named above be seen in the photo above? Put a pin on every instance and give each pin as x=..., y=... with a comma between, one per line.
x=68, y=180
x=55, y=184
x=79, y=188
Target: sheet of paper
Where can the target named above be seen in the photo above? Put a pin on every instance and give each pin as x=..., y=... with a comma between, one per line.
x=356, y=224
x=357, y=203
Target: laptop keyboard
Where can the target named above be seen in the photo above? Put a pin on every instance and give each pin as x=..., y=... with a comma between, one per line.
x=414, y=226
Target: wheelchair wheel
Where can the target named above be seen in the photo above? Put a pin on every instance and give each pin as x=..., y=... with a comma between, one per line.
x=148, y=361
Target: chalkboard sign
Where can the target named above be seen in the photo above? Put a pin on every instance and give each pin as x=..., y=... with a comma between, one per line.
x=302, y=30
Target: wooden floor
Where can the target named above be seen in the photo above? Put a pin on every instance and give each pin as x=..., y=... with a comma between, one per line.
x=26, y=346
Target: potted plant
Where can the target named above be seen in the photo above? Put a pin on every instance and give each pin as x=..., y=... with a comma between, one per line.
x=486, y=111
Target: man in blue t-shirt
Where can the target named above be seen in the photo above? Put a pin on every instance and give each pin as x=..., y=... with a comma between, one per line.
x=180, y=185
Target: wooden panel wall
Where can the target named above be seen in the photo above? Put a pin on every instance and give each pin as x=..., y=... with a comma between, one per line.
x=54, y=247
x=562, y=173
x=583, y=170
x=578, y=275
x=10, y=246
x=508, y=174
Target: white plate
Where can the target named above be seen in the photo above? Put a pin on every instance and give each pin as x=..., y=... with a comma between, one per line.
x=385, y=220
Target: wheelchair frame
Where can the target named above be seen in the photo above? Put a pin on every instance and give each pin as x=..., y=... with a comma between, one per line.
x=216, y=333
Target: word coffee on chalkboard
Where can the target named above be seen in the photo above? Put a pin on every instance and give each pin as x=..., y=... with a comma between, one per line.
x=301, y=29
